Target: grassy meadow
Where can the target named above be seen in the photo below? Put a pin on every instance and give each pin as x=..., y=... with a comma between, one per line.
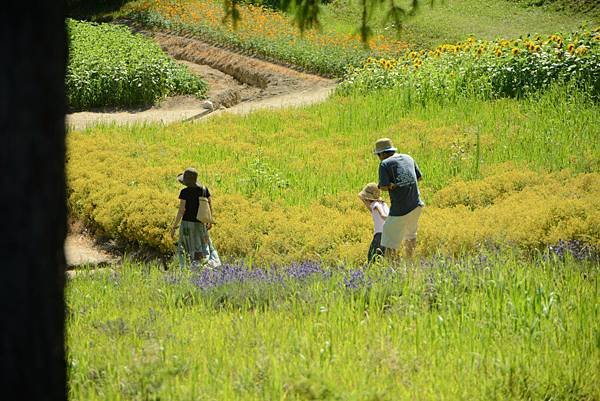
x=475, y=329
x=502, y=299
x=449, y=21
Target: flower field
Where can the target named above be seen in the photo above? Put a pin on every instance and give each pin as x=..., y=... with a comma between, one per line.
x=270, y=34
x=488, y=70
x=111, y=67
x=262, y=32
x=483, y=328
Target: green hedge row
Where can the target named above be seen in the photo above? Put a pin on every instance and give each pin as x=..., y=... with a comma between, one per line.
x=111, y=67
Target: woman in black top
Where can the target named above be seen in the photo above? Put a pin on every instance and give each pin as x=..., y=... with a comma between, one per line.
x=194, y=242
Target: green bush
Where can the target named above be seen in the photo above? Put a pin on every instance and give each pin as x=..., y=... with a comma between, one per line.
x=110, y=66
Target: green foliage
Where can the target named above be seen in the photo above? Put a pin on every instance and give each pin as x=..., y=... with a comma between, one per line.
x=109, y=66
x=453, y=21
x=580, y=6
x=307, y=13
x=261, y=178
x=487, y=328
x=284, y=192
x=487, y=70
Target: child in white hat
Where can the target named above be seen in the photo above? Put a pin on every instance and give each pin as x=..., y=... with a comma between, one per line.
x=371, y=197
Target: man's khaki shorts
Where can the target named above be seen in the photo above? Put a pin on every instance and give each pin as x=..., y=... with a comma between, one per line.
x=399, y=228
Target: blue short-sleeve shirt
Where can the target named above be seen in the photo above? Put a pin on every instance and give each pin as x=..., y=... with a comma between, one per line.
x=401, y=170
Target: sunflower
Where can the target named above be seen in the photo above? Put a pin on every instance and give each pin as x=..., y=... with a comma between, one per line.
x=571, y=48
x=515, y=51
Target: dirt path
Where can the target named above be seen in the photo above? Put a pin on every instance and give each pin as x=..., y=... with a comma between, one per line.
x=237, y=84
x=82, y=250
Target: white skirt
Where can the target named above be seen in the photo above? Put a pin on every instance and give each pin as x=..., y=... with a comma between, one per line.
x=400, y=228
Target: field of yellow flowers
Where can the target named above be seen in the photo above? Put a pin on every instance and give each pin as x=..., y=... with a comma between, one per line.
x=262, y=32
x=522, y=173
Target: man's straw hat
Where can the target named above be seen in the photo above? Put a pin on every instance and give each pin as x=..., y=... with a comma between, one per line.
x=188, y=177
x=384, y=145
x=370, y=192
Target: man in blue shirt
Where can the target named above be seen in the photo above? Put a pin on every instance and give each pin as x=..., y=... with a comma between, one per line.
x=399, y=174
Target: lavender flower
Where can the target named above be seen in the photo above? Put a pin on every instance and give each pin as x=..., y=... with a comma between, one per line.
x=577, y=249
x=356, y=279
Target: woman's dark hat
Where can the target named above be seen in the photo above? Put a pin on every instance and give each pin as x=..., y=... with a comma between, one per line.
x=189, y=177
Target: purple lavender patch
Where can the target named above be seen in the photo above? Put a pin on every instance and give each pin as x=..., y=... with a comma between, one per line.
x=356, y=279
x=577, y=249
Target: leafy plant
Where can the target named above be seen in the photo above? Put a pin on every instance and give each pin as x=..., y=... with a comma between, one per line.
x=486, y=70
x=111, y=67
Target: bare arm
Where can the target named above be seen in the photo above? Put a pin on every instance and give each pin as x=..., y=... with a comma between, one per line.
x=209, y=225
x=380, y=211
x=388, y=187
x=179, y=216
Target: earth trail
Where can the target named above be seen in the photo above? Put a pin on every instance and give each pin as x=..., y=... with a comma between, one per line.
x=237, y=84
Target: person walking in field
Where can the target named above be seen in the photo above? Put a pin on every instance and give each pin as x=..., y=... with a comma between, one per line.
x=194, y=245
x=399, y=175
x=371, y=198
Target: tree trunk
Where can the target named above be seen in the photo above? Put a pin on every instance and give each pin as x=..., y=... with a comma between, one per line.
x=33, y=211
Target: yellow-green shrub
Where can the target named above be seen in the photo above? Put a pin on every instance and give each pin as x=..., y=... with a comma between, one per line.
x=538, y=210
x=284, y=183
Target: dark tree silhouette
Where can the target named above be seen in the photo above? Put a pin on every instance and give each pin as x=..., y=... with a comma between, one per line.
x=33, y=209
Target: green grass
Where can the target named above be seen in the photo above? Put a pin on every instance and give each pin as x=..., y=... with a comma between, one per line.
x=327, y=148
x=500, y=329
x=452, y=21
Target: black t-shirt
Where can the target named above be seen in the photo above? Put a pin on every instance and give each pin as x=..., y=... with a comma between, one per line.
x=191, y=195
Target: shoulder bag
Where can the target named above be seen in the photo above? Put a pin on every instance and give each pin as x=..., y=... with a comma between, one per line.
x=204, y=214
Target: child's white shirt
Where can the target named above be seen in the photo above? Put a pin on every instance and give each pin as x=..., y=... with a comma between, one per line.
x=378, y=209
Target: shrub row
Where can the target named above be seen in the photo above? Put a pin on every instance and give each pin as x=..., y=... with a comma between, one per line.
x=111, y=67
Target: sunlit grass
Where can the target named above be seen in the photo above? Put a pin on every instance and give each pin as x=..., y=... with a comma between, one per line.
x=285, y=182
x=449, y=21
x=485, y=328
